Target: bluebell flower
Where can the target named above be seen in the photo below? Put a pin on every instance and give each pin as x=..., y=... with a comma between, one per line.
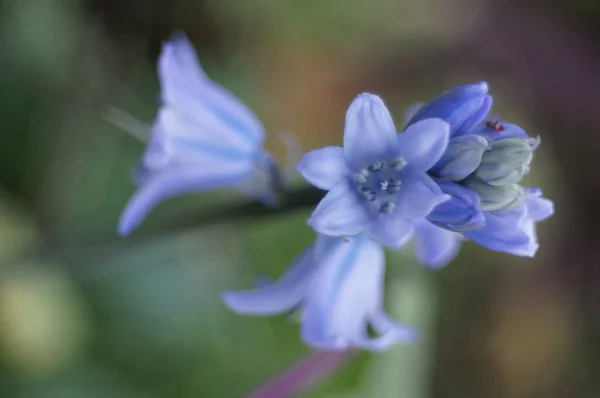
x=203, y=138
x=378, y=181
x=462, y=212
x=337, y=288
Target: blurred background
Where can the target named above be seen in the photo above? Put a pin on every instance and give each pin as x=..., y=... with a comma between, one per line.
x=84, y=313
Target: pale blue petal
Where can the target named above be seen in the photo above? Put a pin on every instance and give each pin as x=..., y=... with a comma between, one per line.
x=435, y=247
x=280, y=297
x=418, y=196
x=325, y=167
x=539, y=208
x=171, y=182
x=186, y=88
x=424, y=143
x=345, y=294
x=391, y=230
x=476, y=118
x=341, y=212
x=369, y=132
x=503, y=232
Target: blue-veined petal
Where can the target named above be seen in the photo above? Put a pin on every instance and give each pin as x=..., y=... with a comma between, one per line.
x=344, y=295
x=423, y=143
x=171, y=182
x=185, y=87
x=341, y=212
x=369, y=132
x=279, y=297
x=324, y=167
x=435, y=247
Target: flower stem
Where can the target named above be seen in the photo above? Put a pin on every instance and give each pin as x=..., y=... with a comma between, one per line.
x=302, y=374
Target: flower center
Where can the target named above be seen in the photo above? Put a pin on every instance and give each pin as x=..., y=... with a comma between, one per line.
x=379, y=182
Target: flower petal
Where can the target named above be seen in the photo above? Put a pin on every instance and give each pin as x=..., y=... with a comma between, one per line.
x=504, y=232
x=418, y=196
x=341, y=212
x=186, y=88
x=424, y=143
x=280, y=297
x=461, y=212
x=168, y=183
x=462, y=157
x=391, y=230
x=324, y=167
x=369, y=132
x=538, y=208
x=435, y=247
x=344, y=293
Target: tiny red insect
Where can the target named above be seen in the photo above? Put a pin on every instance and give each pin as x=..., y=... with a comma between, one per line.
x=495, y=125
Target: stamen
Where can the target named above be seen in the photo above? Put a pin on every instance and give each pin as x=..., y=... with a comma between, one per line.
x=362, y=176
x=397, y=163
x=376, y=167
x=384, y=185
x=368, y=194
x=386, y=208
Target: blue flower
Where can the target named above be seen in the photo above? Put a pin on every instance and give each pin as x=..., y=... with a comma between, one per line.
x=337, y=286
x=203, y=138
x=378, y=181
x=459, y=214
x=464, y=108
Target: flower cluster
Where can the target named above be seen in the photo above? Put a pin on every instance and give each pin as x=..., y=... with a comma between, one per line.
x=452, y=174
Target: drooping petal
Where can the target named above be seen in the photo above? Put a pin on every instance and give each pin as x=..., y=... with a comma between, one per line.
x=462, y=107
x=171, y=182
x=423, y=143
x=324, y=167
x=461, y=212
x=435, y=247
x=186, y=88
x=418, y=196
x=341, y=212
x=391, y=230
x=503, y=232
x=369, y=132
x=344, y=294
x=279, y=297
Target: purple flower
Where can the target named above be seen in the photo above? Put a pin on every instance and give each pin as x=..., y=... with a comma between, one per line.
x=203, y=138
x=337, y=287
x=378, y=181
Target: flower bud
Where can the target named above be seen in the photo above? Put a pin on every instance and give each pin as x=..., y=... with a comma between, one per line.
x=461, y=212
x=462, y=157
x=496, y=197
x=462, y=108
x=507, y=161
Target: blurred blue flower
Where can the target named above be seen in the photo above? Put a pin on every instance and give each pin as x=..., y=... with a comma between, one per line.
x=203, y=138
x=378, y=181
x=435, y=247
x=337, y=286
